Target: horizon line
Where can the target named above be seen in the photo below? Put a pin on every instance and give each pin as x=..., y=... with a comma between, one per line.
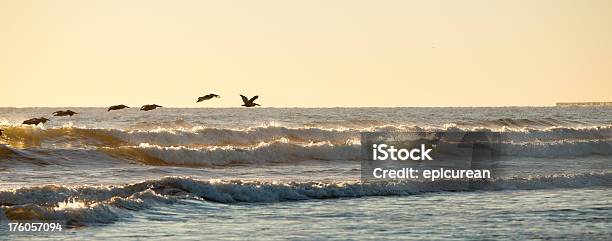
x=293, y=107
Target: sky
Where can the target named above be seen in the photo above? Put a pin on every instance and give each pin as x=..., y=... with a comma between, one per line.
x=315, y=53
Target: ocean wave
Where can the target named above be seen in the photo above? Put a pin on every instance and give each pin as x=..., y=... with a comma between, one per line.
x=155, y=125
x=252, y=191
x=77, y=212
x=270, y=144
x=287, y=153
x=105, y=204
x=237, y=137
x=557, y=149
x=523, y=123
x=555, y=134
x=348, y=124
x=26, y=136
x=277, y=152
x=23, y=137
x=32, y=136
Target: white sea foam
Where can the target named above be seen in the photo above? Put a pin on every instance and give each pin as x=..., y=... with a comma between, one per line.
x=87, y=204
x=276, y=152
x=29, y=136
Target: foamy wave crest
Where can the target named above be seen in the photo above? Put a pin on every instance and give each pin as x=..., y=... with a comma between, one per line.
x=26, y=136
x=276, y=152
x=32, y=136
x=350, y=124
x=76, y=208
x=558, y=149
x=87, y=204
x=23, y=137
x=154, y=125
x=556, y=134
x=286, y=153
x=523, y=123
x=236, y=137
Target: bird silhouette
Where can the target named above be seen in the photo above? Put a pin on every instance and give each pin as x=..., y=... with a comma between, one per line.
x=64, y=113
x=117, y=107
x=150, y=107
x=35, y=121
x=249, y=102
x=207, y=97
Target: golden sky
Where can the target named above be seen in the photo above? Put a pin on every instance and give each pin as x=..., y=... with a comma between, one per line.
x=305, y=53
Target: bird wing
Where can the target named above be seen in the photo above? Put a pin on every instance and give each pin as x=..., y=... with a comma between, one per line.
x=254, y=98
x=244, y=99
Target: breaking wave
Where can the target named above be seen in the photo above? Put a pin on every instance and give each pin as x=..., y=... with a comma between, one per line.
x=287, y=153
x=277, y=152
x=82, y=205
x=30, y=137
x=200, y=146
x=523, y=123
x=19, y=136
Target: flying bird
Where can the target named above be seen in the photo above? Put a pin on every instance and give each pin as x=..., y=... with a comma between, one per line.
x=64, y=113
x=207, y=97
x=117, y=107
x=249, y=102
x=150, y=107
x=35, y=121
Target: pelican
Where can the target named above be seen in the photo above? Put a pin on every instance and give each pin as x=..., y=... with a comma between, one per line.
x=150, y=107
x=64, y=113
x=35, y=121
x=249, y=102
x=117, y=107
x=207, y=97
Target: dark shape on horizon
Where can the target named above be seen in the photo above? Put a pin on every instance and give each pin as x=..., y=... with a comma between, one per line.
x=583, y=104
x=64, y=113
x=207, y=97
x=249, y=102
x=150, y=107
x=1, y=132
x=35, y=121
x=117, y=107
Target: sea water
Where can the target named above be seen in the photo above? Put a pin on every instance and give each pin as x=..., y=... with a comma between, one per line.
x=294, y=173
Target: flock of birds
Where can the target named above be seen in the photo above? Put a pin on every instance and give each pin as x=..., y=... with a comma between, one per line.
x=35, y=121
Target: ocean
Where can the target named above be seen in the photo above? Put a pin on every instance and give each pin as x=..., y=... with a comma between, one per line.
x=294, y=173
